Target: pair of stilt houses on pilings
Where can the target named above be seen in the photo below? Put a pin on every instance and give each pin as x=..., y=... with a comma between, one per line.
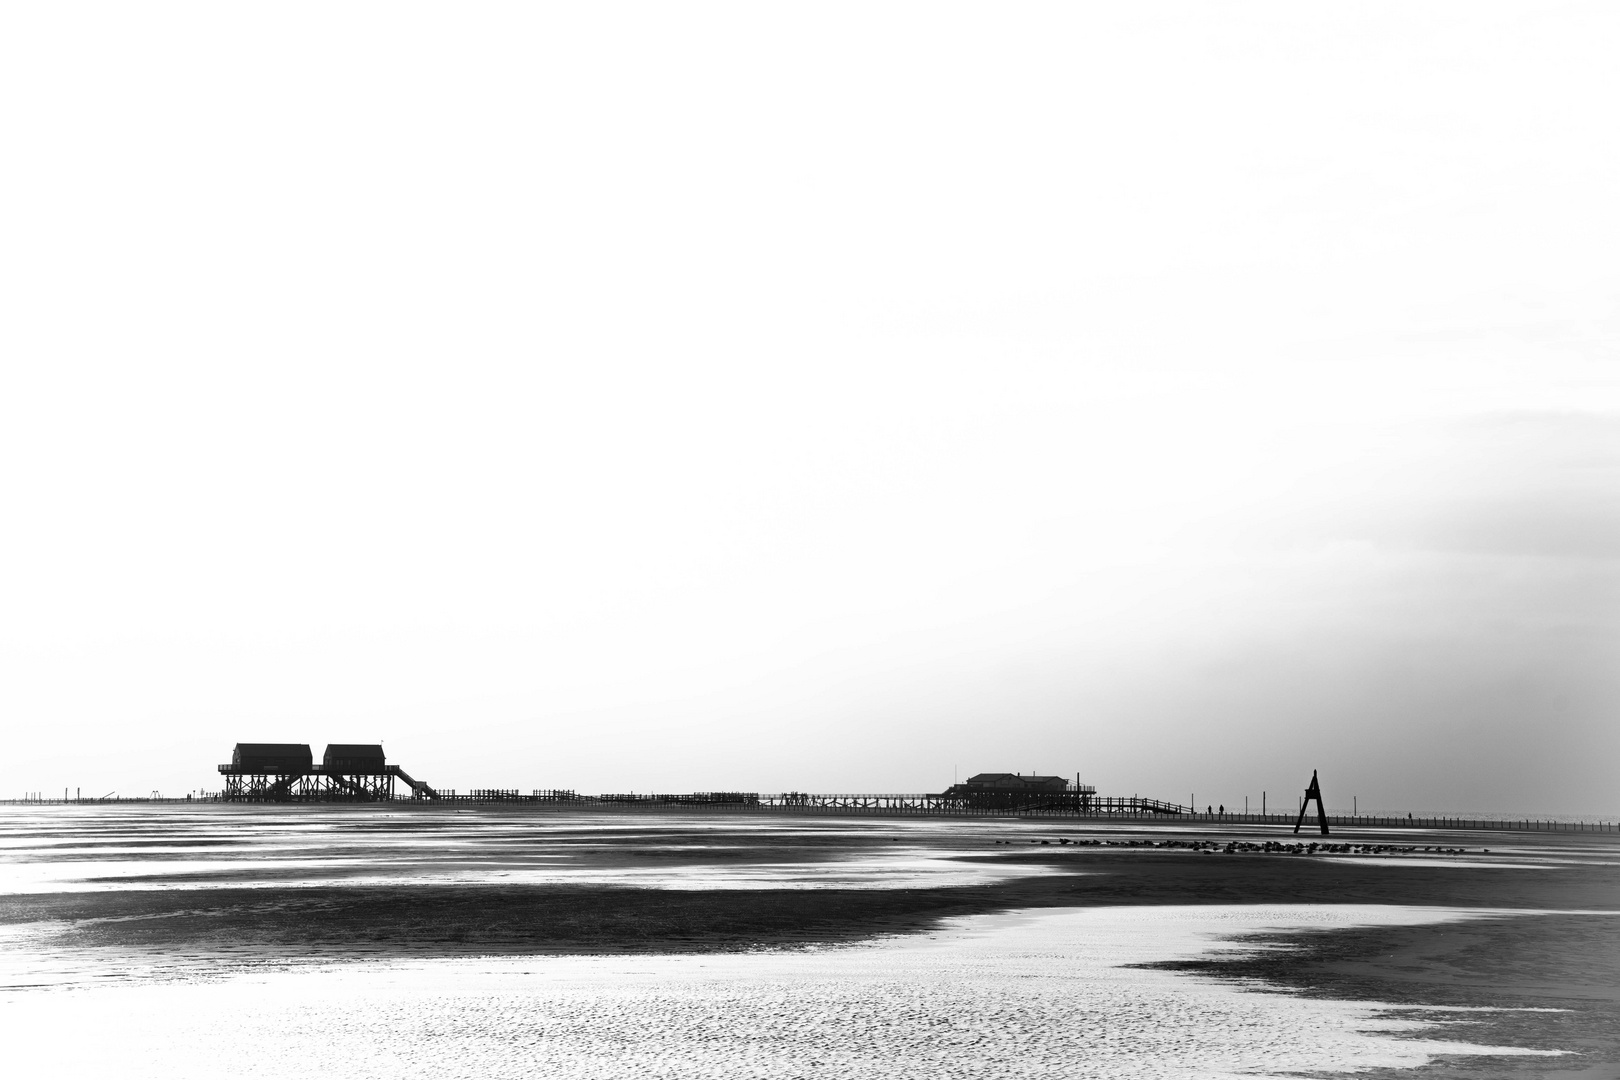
x=287, y=772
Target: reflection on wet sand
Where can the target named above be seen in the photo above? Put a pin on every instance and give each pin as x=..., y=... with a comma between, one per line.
x=1026, y=995
x=93, y=849
x=404, y=942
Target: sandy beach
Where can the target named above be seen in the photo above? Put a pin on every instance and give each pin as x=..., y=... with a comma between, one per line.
x=1449, y=953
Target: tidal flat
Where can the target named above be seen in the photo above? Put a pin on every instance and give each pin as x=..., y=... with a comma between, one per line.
x=430, y=941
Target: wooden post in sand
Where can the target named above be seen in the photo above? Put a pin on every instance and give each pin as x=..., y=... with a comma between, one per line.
x=1313, y=792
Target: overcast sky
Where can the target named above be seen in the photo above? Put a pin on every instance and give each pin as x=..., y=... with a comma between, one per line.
x=822, y=397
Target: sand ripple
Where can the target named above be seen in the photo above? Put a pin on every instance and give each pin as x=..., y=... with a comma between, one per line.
x=1028, y=995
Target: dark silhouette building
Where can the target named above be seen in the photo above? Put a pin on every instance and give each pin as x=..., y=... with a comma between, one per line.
x=1002, y=781
x=267, y=772
x=286, y=772
x=358, y=759
x=1013, y=791
x=355, y=772
x=272, y=758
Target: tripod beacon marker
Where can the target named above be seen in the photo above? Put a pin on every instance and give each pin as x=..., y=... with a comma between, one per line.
x=1313, y=792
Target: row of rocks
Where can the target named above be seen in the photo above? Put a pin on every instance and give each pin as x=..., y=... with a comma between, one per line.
x=1232, y=847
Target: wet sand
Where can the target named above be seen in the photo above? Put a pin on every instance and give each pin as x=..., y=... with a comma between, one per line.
x=209, y=895
x=1550, y=981
x=1068, y=992
x=804, y=894
x=534, y=919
